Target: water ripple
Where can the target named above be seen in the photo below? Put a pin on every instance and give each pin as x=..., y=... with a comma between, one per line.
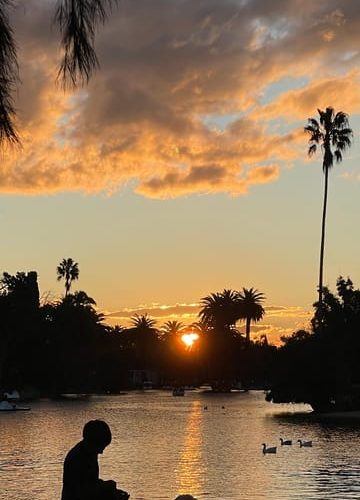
x=163, y=446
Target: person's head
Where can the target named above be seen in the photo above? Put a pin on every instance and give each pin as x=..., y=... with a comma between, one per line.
x=185, y=497
x=97, y=434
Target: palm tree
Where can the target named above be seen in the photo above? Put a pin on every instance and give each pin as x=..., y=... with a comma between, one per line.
x=219, y=310
x=80, y=299
x=143, y=322
x=144, y=328
x=199, y=327
x=77, y=21
x=172, y=329
x=250, y=308
x=333, y=134
x=67, y=270
x=145, y=336
x=81, y=303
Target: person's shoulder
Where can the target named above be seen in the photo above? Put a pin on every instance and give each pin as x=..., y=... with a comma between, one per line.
x=76, y=451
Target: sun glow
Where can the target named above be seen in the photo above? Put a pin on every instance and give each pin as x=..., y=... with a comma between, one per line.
x=189, y=339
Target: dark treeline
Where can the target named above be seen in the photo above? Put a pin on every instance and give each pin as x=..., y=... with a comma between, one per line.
x=65, y=346
x=321, y=366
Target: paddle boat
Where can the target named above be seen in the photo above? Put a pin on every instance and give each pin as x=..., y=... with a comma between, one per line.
x=12, y=395
x=178, y=391
x=73, y=396
x=147, y=385
x=9, y=406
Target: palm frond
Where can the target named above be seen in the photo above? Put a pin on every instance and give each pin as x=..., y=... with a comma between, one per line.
x=310, y=129
x=312, y=149
x=143, y=321
x=78, y=21
x=341, y=119
x=346, y=131
x=251, y=295
x=338, y=155
x=314, y=130
x=312, y=122
x=341, y=145
x=9, y=77
x=341, y=137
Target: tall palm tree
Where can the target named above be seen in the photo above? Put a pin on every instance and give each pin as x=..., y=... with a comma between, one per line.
x=250, y=307
x=77, y=21
x=67, y=270
x=333, y=134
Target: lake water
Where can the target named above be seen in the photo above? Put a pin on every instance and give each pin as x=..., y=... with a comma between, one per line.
x=163, y=446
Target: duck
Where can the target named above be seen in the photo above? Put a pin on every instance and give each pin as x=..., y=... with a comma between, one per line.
x=271, y=449
x=285, y=442
x=205, y=407
x=306, y=444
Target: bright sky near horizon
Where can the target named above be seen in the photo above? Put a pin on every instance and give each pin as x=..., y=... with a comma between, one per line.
x=182, y=168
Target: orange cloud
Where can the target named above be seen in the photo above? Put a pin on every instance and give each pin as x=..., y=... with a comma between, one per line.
x=142, y=118
x=341, y=92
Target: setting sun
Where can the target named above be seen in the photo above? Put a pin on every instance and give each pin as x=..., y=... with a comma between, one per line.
x=189, y=339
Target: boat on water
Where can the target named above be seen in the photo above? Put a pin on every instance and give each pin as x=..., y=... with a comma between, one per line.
x=12, y=395
x=74, y=397
x=178, y=391
x=9, y=406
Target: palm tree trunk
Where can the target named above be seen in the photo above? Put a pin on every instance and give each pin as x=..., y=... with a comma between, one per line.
x=326, y=169
x=247, y=330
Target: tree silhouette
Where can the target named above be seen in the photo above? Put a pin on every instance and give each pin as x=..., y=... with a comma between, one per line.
x=143, y=322
x=321, y=366
x=23, y=287
x=250, y=307
x=19, y=325
x=172, y=329
x=146, y=338
x=219, y=310
x=67, y=270
x=77, y=21
x=333, y=135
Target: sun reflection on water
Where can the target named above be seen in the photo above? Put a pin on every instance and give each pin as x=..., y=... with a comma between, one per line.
x=190, y=471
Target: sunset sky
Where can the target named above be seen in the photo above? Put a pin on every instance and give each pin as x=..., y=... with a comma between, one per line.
x=182, y=169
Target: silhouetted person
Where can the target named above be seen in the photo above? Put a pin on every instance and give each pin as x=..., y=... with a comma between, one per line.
x=81, y=469
x=185, y=497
